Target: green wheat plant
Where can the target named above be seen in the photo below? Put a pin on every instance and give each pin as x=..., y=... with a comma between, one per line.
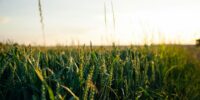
x=98, y=73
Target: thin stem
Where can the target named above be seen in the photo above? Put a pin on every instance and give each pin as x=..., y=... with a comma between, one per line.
x=105, y=15
x=42, y=21
x=113, y=13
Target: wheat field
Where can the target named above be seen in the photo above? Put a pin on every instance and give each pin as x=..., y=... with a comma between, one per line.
x=102, y=73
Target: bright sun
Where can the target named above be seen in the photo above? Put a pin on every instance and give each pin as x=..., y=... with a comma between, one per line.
x=167, y=25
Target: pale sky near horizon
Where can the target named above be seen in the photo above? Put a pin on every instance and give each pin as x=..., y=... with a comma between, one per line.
x=82, y=21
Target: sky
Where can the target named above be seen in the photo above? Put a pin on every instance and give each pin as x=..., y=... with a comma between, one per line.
x=81, y=21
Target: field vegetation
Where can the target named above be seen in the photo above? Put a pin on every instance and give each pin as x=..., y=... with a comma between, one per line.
x=98, y=72
x=102, y=73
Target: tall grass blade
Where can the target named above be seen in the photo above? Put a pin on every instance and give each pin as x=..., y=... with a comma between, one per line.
x=42, y=21
x=105, y=15
x=40, y=76
x=66, y=88
x=113, y=15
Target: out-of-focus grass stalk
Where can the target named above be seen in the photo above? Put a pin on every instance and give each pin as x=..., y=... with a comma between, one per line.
x=113, y=15
x=105, y=15
x=42, y=21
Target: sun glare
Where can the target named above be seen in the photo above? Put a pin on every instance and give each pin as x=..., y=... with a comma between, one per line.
x=157, y=26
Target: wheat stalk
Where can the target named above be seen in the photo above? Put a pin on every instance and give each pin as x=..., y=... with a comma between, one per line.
x=41, y=21
x=105, y=15
x=113, y=14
